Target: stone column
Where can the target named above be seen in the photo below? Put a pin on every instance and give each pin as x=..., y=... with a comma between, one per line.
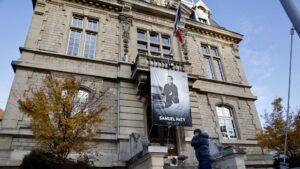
x=153, y=159
x=233, y=158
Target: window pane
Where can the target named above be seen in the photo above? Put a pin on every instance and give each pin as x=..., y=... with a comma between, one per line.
x=154, y=37
x=74, y=43
x=92, y=24
x=77, y=21
x=230, y=129
x=83, y=95
x=203, y=20
x=218, y=69
x=155, y=54
x=219, y=111
x=226, y=112
x=166, y=40
x=142, y=35
x=204, y=49
x=80, y=101
x=226, y=122
x=90, y=45
x=214, y=51
x=208, y=68
x=233, y=135
x=142, y=45
x=143, y=52
x=155, y=48
x=167, y=50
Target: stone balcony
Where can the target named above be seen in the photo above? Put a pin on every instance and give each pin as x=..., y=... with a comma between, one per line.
x=142, y=64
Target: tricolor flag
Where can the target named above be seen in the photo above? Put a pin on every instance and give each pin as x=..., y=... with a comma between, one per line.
x=293, y=12
x=176, y=30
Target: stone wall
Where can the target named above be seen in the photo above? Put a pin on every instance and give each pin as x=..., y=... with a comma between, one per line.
x=44, y=53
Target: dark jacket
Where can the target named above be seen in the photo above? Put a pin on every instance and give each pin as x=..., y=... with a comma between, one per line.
x=171, y=93
x=201, y=146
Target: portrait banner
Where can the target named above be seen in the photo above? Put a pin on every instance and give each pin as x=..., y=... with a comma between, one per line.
x=170, y=100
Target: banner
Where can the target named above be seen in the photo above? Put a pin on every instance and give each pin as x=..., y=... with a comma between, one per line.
x=170, y=98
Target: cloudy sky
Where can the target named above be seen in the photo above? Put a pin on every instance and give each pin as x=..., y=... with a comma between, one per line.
x=264, y=50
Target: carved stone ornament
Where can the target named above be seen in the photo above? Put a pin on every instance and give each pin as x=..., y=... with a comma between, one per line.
x=235, y=49
x=126, y=24
x=184, y=47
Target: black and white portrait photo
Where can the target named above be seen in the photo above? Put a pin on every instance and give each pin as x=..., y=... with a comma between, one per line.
x=170, y=98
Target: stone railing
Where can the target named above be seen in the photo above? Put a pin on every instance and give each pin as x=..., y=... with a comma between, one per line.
x=145, y=62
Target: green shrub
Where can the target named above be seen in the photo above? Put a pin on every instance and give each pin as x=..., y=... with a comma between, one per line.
x=38, y=159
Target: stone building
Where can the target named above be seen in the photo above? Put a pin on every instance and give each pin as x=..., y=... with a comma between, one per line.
x=112, y=44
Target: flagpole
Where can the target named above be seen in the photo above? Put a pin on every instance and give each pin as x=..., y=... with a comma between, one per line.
x=176, y=17
x=284, y=164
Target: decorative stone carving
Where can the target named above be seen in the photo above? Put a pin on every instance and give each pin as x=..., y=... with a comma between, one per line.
x=126, y=7
x=126, y=24
x=171, y=4
x=184, y=47
x=235, y=49
x=142, y=85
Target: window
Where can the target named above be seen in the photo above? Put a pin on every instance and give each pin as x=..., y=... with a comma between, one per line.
x=153, y=44
x=218, y=69
x=77, y=21
x=166, y=40
x=203, y=20
x=89, y=29
x=80, y=101
x=142, y=45
x=154, y=37
x=92, y=24
x=142, y=35
x=212, y=62
x=74, y=43
x=208, y=67
x=204, y=49
x=226, y=122
x=90, y=45
x=214, y=51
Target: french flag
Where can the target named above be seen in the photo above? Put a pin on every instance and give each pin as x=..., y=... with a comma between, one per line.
x=176, y=30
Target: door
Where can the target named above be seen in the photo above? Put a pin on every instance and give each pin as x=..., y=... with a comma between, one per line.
x=162, y=135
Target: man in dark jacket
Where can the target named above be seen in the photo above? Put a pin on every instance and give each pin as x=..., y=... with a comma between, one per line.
x=171, y=92
x=201, y=146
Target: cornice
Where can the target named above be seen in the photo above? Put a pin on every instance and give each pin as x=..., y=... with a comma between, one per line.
x=215, y=32
x=40, y=52
x=112, y=5
x=160, y=11
x=191, y=25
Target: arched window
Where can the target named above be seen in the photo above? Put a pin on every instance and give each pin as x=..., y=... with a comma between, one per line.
x=83, y=95
x=80, y=102
x=226, y=122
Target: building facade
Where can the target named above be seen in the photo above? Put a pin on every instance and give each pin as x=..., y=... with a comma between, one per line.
x=111, y=45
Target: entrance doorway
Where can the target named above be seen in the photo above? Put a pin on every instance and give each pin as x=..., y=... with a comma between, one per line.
x=159, y=135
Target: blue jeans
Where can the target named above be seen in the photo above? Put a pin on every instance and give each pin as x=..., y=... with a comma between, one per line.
x=204, y=164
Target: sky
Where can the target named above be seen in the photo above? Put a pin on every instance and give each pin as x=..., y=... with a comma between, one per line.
x=264, y=51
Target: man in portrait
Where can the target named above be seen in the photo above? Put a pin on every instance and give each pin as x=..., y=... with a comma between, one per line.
x=170, y=92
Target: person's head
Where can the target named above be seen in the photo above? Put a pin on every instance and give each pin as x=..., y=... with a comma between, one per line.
x=197, y=132
x=170, y=79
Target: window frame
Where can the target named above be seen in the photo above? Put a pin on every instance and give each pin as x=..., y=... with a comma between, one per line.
x=78, y=51
x=84, y=30
x=95, y=45
x=160, y=53
x=212, y=58
x=232, y=119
